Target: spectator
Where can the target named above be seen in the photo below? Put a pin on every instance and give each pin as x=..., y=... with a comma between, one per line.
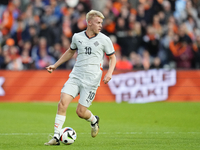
x=20, y=32
x=15, y=62
x=56, y=8
x=190, y=24
x=179, y=8
x=66, y=26
x=167, y=10
x=29, y=18
x=141, y=16
x=7, y=19
x=47, y=24
x=197, y=52
x=151, y=41
x=146, y=59
x=134, y=39
x=189, y=10
x=121, y=33
x=78, y=17
x=65, y=43
x=157, y=26
x=43, y=60
x=109, y=22
x=6, y=56
x=25, y=56
x=2, y=59
x=156, y=63
x=33, y=35
x=41, y=46
x=57, y=51
x=131, y=21
x=164, y=53
x=136, y=61
x=181, y=49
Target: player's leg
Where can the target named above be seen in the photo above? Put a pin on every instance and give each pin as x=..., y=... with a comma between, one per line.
x=63, y=104
x=87, y=95
x=69, y=91
x=65, y=100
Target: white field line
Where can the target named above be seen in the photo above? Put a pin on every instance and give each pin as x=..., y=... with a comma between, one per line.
x=127, y=133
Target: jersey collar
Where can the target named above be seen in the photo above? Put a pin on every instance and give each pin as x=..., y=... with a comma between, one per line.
x=90, y=37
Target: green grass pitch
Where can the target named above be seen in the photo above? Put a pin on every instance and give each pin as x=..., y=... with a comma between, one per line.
x=151, y=126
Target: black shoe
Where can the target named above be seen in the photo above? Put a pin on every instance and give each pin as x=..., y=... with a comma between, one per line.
x=95, y=128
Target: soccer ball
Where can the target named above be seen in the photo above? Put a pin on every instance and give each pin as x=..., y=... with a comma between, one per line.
x=67, y=135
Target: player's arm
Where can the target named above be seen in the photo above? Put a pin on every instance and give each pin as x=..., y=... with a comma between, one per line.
x=112, y=63
x=65, y=57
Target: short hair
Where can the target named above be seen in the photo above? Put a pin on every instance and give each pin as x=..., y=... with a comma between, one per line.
x=93, y=13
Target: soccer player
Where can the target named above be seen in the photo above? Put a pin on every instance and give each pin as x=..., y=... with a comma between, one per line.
x=86, y=74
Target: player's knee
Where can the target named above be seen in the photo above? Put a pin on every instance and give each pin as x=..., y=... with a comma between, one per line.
x=64, y=101
x=62, y=105
x=80, y=112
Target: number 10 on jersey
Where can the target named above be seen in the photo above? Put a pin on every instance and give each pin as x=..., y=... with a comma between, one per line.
x=88, y=50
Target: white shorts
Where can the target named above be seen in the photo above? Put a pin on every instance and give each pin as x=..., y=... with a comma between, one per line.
x=74, y=87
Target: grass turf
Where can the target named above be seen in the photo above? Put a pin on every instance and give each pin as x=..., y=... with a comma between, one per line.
x=151, y=126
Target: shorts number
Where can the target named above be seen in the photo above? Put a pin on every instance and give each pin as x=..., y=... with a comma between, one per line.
x=91, y=95
x=88, y=50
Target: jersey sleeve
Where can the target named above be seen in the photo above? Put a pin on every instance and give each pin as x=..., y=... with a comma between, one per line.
x=109, y=49
x=73, y=43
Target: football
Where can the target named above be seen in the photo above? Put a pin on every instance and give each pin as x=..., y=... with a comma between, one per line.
x=67, y=135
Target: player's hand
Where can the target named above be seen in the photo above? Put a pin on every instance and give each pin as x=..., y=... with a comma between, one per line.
x=107, y=78
x=50, y=68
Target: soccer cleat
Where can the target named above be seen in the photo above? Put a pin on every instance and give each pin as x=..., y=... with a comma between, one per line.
x=95, y=128
x=53, y=141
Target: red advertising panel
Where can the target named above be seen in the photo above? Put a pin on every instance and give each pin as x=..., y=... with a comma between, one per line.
x=132, y=87
x=187, y=87
x=34, y=85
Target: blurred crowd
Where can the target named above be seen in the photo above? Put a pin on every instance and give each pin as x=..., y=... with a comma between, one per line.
x=146, y=34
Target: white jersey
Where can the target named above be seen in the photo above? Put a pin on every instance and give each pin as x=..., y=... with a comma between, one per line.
x=89, y=64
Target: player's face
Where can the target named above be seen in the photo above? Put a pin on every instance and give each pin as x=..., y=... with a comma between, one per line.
x=96, y=24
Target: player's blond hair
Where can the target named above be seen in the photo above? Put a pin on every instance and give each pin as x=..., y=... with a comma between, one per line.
x=93, y=13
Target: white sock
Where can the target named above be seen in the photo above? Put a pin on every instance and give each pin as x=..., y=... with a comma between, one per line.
x=59, y=121
x=92, y=119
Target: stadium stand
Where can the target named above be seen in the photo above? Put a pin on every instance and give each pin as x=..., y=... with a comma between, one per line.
x=146, y=34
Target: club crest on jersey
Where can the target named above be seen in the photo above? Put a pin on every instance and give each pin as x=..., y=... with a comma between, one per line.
x=96, y=43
